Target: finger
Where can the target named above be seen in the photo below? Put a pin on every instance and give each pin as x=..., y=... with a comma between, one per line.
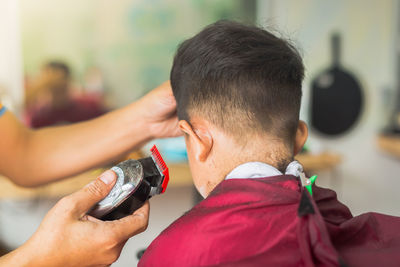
x=165, y=87
x=167, y=103
x=133, y=224
x=166, y=94
x=173, y=129
x=92, y=193
x=162, y=101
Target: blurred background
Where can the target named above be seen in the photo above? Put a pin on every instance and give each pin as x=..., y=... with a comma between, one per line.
x=68, y=61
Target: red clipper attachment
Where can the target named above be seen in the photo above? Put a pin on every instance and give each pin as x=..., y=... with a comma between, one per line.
x=162, y=167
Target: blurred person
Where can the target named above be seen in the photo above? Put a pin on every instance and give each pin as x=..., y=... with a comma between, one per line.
x=67, y=236
x=49, y=100
x=238, y=90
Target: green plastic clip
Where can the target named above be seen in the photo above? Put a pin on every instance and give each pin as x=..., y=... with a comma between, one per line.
x=310, y=182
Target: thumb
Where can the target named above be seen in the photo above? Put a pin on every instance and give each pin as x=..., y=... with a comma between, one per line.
x=92, y=193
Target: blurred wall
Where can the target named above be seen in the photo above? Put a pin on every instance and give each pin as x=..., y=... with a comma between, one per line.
x=131, y=41
x=11, y=86
x=368, y=179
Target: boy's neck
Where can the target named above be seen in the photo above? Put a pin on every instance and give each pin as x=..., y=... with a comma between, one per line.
x=214, y=154
x=257, y=149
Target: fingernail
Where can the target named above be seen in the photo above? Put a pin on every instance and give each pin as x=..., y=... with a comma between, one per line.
x=107, y=177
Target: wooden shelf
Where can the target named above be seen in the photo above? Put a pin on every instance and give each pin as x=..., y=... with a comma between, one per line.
x=179, y=173
x=390, y=144
x=319, y=162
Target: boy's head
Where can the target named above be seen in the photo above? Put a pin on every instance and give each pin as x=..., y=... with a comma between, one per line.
x=238, y=92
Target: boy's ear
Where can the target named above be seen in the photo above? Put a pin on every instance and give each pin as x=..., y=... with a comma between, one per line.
x=301, y=136
x=199, y=139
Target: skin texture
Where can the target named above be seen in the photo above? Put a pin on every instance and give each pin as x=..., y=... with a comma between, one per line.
x=66, y=236
x=213, y=153
x=31, y=158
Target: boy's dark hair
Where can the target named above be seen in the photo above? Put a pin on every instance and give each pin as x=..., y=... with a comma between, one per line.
x=241, y=78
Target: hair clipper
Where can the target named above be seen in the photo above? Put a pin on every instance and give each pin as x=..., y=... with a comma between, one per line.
x=138, y=180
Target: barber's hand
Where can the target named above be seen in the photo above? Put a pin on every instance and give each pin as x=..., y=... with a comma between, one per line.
x=69, y=237
x=158, y=109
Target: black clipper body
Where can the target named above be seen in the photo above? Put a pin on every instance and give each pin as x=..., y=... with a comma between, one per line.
x=138, y=180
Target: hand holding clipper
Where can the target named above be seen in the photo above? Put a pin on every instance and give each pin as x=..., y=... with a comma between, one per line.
x=138, y=180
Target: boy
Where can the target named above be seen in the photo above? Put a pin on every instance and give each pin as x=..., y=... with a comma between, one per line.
x=238, y=92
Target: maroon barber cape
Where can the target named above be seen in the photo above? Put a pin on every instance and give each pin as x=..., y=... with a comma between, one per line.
x=274, y=222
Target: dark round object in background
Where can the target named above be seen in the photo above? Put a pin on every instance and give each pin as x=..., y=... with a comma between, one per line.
x=336, y=97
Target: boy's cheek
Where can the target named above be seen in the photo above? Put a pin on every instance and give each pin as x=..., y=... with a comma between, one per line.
x=197, y=173
x=200, y=172
x=193, y=169
x=202, y=191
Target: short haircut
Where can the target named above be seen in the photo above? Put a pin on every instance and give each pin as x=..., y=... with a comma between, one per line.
x=241, y=78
